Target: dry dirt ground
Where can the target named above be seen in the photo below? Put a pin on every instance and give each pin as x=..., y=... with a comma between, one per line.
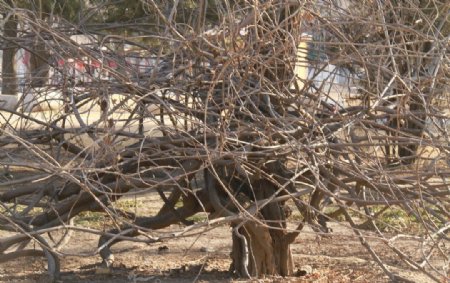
x=205, y=258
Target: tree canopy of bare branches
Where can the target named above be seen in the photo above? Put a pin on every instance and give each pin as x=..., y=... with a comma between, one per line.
x=248, y=111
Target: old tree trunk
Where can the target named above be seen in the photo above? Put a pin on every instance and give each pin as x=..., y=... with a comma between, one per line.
x=39, y=67
x=264, y=248
x=9, y=78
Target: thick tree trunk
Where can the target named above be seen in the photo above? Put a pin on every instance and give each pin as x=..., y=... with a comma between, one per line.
x=260, y=250
x=39, y=67
x=253, y=253
x=9, y=78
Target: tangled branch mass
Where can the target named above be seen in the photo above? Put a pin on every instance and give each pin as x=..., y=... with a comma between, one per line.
x=271, y=117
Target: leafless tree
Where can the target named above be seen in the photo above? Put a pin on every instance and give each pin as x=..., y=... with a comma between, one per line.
x=225, y=120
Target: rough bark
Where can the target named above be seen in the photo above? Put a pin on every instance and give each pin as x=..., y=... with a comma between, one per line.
x=39, y=67
x=264, y=249
x=9, y=78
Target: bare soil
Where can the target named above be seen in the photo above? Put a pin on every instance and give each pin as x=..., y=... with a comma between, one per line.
x=205, y=258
